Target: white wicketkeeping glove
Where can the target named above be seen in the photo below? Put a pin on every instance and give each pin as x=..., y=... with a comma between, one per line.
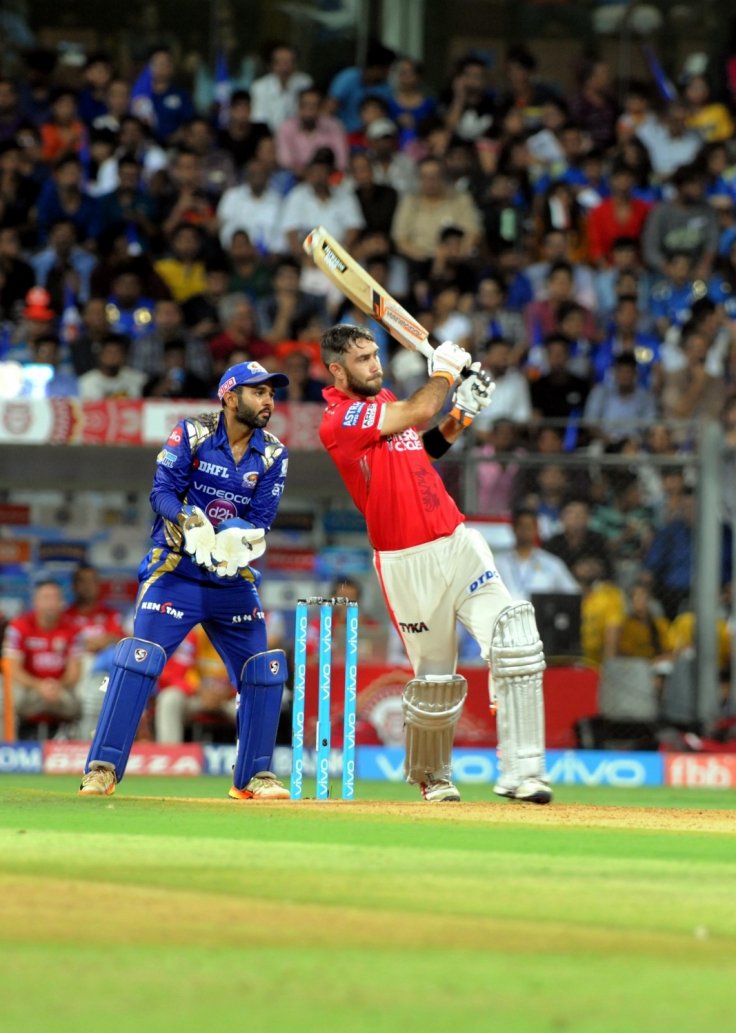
x=448, y=361
x=472, y=395
x=237, y=547
x=199, y=535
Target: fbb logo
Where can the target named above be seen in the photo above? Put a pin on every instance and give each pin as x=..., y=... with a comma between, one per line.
x=219, y=510
x=710, y=771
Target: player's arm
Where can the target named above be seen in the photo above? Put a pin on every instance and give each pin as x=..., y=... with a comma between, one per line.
x=445, y=364
x=471, y=396
x=171, y=480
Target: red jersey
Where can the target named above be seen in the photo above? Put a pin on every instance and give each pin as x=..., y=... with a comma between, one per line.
x=102, y=620
x=390, y=479
x=43, y=652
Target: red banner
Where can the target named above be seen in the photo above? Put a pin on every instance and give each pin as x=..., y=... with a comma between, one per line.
x=146, y=758
x=123, y=421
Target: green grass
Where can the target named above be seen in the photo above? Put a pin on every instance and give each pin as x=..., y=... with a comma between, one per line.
x=147, y=912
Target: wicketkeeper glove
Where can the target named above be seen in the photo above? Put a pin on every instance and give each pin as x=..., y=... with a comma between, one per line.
x=237, y=544
x=199, y=535
x=448, y=361
x=473, y=395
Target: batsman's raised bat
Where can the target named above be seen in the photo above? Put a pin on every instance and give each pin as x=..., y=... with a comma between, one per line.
x=365, y=292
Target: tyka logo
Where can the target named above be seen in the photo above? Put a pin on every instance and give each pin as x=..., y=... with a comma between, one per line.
x=413, y=627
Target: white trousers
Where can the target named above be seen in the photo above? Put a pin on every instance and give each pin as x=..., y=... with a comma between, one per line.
x=429, y=587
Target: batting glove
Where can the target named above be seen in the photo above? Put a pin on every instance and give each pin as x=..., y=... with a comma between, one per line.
x=448, y=361
x=199, y=535
x=237, y=544
x=473, y=395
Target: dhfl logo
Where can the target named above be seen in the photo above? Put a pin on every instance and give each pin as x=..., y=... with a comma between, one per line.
x=219, y=510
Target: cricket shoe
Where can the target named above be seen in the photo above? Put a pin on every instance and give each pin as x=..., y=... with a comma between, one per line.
x=98, y=782
x=263, y=786
x=531, y=790
x=439, y=790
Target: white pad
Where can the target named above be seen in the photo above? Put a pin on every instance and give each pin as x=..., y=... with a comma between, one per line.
x=517, y=663
x=432, y=707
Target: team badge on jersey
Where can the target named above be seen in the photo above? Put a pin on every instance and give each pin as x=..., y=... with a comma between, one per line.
x=352, y=414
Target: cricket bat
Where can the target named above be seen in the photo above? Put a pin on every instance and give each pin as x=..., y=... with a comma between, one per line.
x=365, y=292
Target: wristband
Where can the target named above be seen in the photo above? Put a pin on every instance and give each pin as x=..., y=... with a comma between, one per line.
x=463, y=418
x=445, y=374
x=435, y=443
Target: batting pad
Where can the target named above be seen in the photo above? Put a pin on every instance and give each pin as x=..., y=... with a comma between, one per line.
x=432, y=707
x=259, y=706
x=136, y=666
x=517, y=663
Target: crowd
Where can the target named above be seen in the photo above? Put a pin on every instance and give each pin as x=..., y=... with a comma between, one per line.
x=581, y=244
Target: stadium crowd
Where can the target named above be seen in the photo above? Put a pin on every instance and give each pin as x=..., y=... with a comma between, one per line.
x=581, y=245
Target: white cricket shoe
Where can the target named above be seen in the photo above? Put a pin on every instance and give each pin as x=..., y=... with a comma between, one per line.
x=439, y=790
x=531, y=790
x=263, y=786
x=98, y=782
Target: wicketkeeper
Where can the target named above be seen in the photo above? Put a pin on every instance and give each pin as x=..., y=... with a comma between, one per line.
x=218, y=483
x=433, y=569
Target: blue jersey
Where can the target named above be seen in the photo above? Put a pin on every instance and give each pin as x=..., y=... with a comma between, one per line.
x=196, y=468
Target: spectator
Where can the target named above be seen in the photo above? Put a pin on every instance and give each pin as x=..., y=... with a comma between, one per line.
x=129, y=310
x=668, y=564
x=16, y=275
x=526, y=569
x=421, y=216
x=37, y=320
x=275, y=95
x=690, y=391
x=240, y=137
x=46, y=352
x=710, y=119
x=218, y=168
x=390, y=166
x=644, y=633
x=129, y=206
x=543, y=316
x=492, y=318
x=558, y=394
x=201, y=312
x=602, y=609
x=625, y=337
x=624, y=522
x=637, y=111
x=249, y=272
x=44, y=655
x=287, y=306
x=669, y=143
x=62, y=198
x=593, y=107
x=410, y=103
x=188, y=200
x=240, y=330
x=620, y=409
x=317, y=202
x=468, y=106
x=64, y=132
x=63, y=267
x=12, y=117
x=254, y=207
x=170, y=106
x=36, y=91
x=112, y=377
x=352, y=85
x=620, y=215
x=544, y=489
x=686, y=224
x=497, y=468
x=92, y=99
x=193, y=683
x=556, y=247
x=117, y=104
x=134, y=138
x=167, y=325
x=450, y=268
x=377, y=201
x=183, y=269
x=310, y=129
x=624, y=258
x=524, y=92
x=577, y=539
x=93, y=328
x=176, y=380
x=511, y=399
x=303, y=387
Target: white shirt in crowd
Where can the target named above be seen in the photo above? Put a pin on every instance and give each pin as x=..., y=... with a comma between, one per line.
x=338, y=213
x=260, y=217
x=539, y=572
x=271, y=102
x=94, y=386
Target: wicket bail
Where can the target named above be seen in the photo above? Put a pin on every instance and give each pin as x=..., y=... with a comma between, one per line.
x=326, y=608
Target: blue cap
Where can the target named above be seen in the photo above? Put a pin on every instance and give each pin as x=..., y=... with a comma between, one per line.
x=245, y=374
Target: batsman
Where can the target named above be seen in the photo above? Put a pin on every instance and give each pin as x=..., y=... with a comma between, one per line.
x=432, y=568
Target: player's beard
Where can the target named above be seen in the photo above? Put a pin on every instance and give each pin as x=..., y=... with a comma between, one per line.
x=361, y=387
x=253, y=416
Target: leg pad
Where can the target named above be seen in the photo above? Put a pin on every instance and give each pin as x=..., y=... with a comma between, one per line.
x=432, y=707
x=259, y=706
